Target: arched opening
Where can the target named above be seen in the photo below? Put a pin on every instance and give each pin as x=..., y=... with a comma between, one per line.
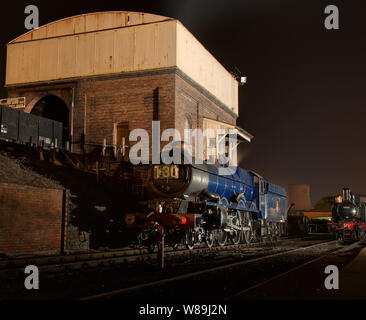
x=187, y=122
x=52, y=107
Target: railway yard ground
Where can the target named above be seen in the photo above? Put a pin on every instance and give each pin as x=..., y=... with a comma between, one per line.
x=291, y=268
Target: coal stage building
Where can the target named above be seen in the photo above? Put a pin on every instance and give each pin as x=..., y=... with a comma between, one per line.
x=105, y=74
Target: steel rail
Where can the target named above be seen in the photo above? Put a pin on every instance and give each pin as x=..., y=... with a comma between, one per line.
x=86, y=260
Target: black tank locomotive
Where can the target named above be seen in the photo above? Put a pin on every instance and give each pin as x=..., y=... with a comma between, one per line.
x=349, y=216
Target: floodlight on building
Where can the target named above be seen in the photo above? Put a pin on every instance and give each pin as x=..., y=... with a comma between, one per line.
x=243, y=80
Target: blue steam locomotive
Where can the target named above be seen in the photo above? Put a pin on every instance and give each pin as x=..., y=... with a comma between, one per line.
x=195, y=203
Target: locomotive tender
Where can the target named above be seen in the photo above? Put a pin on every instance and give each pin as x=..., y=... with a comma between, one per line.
x=349, y=216
x=195, y=204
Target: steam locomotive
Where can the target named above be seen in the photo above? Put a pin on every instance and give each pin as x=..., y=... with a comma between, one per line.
x=349, y=217
x=195, y=204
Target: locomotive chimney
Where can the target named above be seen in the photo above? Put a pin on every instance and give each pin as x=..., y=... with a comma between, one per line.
x=346, y=194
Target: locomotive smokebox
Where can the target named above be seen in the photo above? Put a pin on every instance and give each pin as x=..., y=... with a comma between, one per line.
x=348, y=210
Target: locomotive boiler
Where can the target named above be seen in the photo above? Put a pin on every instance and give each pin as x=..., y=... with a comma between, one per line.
x=349, y=216
x=195, y=203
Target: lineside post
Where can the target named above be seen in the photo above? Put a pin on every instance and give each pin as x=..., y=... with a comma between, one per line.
x=53, y=155
x=161, y=246
x=41, y=156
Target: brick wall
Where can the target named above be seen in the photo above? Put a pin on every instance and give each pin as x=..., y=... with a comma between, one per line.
x=33, y=95
x=100, y=103
x=192, y=103
x=31, y=220
x=107, y=102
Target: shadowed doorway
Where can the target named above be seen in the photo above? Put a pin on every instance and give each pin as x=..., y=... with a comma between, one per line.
x=52, y=107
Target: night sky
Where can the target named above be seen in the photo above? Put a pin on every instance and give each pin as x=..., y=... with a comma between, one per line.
x=305, y=97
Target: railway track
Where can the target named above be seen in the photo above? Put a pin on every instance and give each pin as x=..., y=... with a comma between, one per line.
x=110, y=258
x=173, y=281
x=306, y=268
